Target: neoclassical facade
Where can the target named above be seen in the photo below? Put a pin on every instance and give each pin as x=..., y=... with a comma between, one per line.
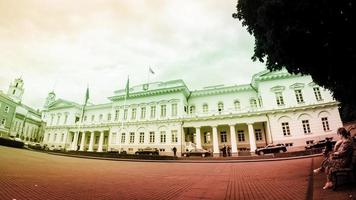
x=276, y=107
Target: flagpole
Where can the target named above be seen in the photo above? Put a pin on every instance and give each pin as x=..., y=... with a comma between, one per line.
x=122, y=121
x=148, y=76
x=81, y=118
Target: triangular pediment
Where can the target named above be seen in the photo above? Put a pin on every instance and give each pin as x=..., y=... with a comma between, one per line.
x=61, y=103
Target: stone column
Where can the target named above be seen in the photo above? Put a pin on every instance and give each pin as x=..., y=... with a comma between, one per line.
x=251, y=134
x=198, y=138
x=109, y=141
x=91, y=141
x=233, y=140
x=82, y=142
x=101, y=140
x=216, y=150
x=65, y=140
x=75, y=141
x=268, y=134
x=45, y=136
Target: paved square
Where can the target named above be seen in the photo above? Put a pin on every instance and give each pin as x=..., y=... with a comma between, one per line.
x=32, y=175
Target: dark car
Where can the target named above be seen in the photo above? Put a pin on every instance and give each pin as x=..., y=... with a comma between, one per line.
x=197, y=152
x=319, y=144
x=147, y=151
x=271, y=148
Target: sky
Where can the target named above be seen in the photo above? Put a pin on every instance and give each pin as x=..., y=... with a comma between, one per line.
x=66, y=45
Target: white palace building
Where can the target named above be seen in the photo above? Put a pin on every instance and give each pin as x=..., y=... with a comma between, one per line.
x=276, y=107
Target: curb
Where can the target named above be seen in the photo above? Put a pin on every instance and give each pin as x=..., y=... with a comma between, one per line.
x=186, y=161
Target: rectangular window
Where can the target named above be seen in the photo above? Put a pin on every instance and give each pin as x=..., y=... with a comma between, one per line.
x=133, y=114
x=174, y=136
x=325, y=122
x=62, y=138
x=123, y=138
x=88, y=140
x=317, y=94
x=153, y=111
x=205, y=108
x=163, y=110
x=174, y=110
x=65, y=119
x=299, y=96
x=223, y=136
x=117, y=115
x=306, y=126
x=92, y=117
x=85, y=118
x=113, y=138
x=258, y=134
x=142, y=137
x=100, y=117
x=241, y=136
x=285, y=129
x=132, y=137
x=125, y=114
x=163, y=136
x=96, y=139
x=152, y=137
x=52, y=118
x=207, y=138
x=54, y=138
x=109, y=117
x=143, y=112
x=279, y=99
x=58, y=118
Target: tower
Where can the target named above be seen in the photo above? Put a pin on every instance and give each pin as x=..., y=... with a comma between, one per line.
x=16, y=90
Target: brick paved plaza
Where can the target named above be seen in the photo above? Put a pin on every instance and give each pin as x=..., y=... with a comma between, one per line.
x=26, y=174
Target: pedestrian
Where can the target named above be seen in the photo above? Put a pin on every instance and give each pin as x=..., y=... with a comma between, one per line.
x=175, y=151
x=228, y=150
x=224, y=151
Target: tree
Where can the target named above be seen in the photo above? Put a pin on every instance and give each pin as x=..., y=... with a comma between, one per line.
x=314, y=37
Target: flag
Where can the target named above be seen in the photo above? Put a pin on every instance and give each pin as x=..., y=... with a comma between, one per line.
x=127, y=88
x=151, y=71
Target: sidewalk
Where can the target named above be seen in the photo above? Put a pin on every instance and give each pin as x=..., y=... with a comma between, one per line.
x=343, y=192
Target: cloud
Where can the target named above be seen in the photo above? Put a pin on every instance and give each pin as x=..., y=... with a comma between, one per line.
x=65, y=45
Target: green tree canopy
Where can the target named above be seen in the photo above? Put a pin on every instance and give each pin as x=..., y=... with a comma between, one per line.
x=315, y=37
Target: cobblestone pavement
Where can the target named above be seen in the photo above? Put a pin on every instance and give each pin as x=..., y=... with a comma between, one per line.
x=26, y=174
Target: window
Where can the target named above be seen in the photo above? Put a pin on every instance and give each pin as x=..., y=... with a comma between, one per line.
x=88, y=140
x=52, y=118
x=237, y=105
x=174, y=136
x=309, y=142
x=325, y=123
x=223, y=136
x=163, y=136
x=100, y=117
x=241, y=136
x=132, y=137
x=163, y=110
x=288, y=144
x=306, y=126
x=54, y=138
x=3, y=121
x=162, y=150
x=123, y=138
x=142, y=137
x=279, y=99
x=174, y=110
x=85, y=118
x=58, y=118
x=117, y=115
x=253, y=103
x=62, y=138
x=207, y=138
x=152, y=137
x=143, y=112
x=153, y=111
x=317, y=94
x=65, y=119
x=299, y=96
x=133, y=113
x=125, y=114
x=113, y=138
x=258, y=134
x=96, y=139
x=109, y=117
x=192, y=109
x=285, y=129
x=7, y=109
x=205, y=108
x=92, y=117
x=220, y=107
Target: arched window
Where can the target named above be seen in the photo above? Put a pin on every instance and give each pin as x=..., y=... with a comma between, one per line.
x=205, y=108
x=220, y=107
x=237, y=105
x=192, y=109
x=253, y=103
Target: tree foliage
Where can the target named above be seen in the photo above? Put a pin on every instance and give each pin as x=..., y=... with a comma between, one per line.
x=315, y=37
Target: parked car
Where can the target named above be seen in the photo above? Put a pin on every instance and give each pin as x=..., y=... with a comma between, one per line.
x=271, y=148
x=147, y=151
x=196, y=152
x=319, y=144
